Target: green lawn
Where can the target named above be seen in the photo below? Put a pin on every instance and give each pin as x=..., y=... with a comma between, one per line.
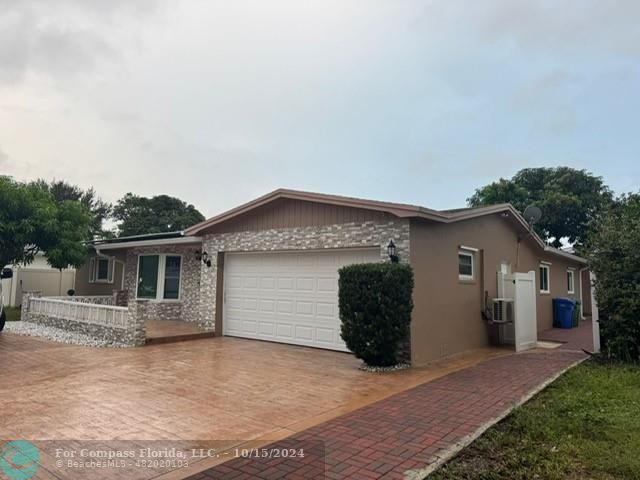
x=13, y=314
x=586, y=425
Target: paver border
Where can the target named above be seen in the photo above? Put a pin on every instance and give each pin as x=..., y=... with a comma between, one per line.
x=450, y=452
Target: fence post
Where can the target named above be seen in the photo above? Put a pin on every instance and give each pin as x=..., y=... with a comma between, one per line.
x=24, y=309
x=136, y=331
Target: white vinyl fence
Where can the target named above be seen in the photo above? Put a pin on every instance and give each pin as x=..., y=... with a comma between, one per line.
x=95, y=299
x=81, y=312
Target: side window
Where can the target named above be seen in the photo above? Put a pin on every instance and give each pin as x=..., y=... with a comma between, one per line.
x=101, y=270
x=544, y=279
x=466, y=264
x=570, y=281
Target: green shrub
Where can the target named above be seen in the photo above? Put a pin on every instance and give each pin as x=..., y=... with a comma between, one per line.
x=614, y=257
x=375, y=309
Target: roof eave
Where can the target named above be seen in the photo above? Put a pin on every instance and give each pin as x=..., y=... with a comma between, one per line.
x=398, y=210
x=568, y=255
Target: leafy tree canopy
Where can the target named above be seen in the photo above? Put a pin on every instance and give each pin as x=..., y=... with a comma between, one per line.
x=614, y=257
x=160, y=214
x=100, y=210
x=569, y=200
x=31, y=221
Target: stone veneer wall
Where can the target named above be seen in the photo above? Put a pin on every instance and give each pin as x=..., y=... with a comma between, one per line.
x=367, y=234
x=187, y=307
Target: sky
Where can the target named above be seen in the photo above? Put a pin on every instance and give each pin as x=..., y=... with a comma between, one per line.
x=217, y=102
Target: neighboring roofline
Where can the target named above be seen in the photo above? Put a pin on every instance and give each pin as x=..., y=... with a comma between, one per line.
x=399, y=210
x=146, y=243
x=562, y=253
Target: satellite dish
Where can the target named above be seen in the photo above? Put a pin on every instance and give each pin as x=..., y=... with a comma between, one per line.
x=532, y=214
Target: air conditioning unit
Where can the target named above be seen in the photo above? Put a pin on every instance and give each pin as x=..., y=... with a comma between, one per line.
x=502, y=311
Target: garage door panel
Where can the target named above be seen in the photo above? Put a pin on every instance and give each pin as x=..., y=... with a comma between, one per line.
x=287, y=297
x=267, y=283
x=305, y=284
x=304, y=308
x=286, y=283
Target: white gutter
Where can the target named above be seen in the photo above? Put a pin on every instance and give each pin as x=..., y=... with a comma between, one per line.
x=148, y=243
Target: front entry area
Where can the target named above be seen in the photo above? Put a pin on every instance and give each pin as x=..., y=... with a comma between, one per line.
x=287, y=297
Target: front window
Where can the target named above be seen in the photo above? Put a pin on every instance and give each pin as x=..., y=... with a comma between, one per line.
x=102, y=273
x=570, y=281
x=172, y=277
x=159, y=277
x=465, y=265
x=101, y=270
x=544, y=279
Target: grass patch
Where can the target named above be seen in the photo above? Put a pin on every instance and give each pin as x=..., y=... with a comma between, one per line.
x=13, y=314
x=586, y=425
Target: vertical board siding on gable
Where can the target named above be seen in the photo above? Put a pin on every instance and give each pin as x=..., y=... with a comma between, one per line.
x=287, y=213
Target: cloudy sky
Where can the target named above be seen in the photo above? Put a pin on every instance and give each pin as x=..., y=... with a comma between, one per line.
x=414, y=101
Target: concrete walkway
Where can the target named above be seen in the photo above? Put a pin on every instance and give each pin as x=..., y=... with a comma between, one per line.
x=406, y=435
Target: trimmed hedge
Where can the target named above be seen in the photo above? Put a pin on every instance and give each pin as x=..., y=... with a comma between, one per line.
x=375, y=302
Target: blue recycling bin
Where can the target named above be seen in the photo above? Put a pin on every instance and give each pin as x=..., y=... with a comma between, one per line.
x=563, y=309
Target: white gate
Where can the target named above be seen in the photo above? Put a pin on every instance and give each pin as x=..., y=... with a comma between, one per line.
x=525, y=319
x=523, y=330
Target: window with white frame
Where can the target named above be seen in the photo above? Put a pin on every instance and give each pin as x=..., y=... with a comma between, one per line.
x=570, y=281
x=466, y=264
x=101, y=270
x=544, y=278
x=159, y=277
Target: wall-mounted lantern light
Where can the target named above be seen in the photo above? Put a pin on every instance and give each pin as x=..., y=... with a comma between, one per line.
x=391, y=251
x=204, y=256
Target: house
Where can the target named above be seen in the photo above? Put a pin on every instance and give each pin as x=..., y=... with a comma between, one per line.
x=267, y=269
x=36, y=276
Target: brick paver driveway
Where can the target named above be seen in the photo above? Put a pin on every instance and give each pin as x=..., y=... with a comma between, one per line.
x=223, y=389
x=407, y=434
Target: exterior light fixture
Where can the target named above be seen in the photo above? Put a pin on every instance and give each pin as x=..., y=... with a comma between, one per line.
x=204, y=256
x=391, y=251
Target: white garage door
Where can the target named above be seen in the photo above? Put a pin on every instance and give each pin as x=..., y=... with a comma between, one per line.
x=287, y=297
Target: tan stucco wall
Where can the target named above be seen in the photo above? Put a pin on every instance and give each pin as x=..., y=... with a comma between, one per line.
x=447, y=313
x=83, y=287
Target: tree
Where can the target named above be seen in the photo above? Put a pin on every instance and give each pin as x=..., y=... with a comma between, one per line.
x=569, y=200
x=139, y=215
x=614, y=257
x=31, y=221
x=100, y=210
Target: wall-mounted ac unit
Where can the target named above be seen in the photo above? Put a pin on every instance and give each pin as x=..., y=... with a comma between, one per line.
x=502, y=311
